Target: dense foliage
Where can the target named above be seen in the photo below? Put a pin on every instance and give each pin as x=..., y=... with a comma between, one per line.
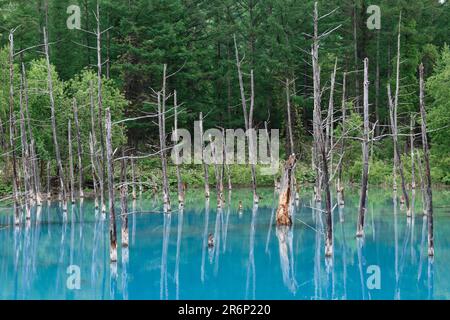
x=195, y=39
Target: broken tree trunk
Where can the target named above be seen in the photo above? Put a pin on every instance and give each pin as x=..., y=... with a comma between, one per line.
x=112, y=213
x=123, y=200
x=285, y=200
x=79, y=150
x=54, y=126
x=49, y=187
x=365, y=152
x=179, y=181
x=72, y=176
x=426, y=156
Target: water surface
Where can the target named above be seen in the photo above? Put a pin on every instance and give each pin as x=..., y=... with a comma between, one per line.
x=168, y=256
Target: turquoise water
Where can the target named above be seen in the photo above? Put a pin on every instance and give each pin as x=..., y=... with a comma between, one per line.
x=168, y=256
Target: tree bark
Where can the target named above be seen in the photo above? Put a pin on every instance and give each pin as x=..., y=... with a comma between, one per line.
x=162, y=140
x=365, y=152
x=426, y=156
x=205, y=165
x=285, y=198
x=12, y=130
x=79, y=150
x=179, y=180
x=112, y=213
x=123, y=201
x=72, y=176
x=53, y=119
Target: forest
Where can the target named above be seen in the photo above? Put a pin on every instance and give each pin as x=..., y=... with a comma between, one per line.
x=93, y=91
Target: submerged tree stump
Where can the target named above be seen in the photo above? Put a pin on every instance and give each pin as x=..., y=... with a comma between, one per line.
x=284, y=202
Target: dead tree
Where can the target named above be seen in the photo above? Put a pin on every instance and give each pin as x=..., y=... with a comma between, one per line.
x=95, y=160
x=284, y=217
x=426, y=156
x=179, y=181
x=93, y=169
x=365, y=152
x=123, y=200
x=319, y=134
x=340, y=186
x=248, y=117
x=71, y=174
x=162, y=140
x=205, y=165
x=49, y=187
x=36, y=183
x=112, y=213
x=411, y=142
x=54, y=126
x=397, y=159
x=288, y=104
x=330, y=119
x=79, y=150
x=133, y=179
x=25, y=157
x=12, y=130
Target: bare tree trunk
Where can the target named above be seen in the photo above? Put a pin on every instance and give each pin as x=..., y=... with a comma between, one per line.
x=133, y=179
x=112, y=213
x=241, y=84
x=95, y=160
x=12, y=129
x=205, y=165
x=25, y=156
x=422, y=183
x=252, y=147
x=365, y=151
x=123, y=201
x=377, y=87
x=93, y=166
x=162, y=139
x=330, y=119
x=288, y=104
x=100, y=107
x=355, y=54
x=179, y=181
x=33, y=155
x=319, y=134
x=72, y=177
x=248, y=118
x=79, y=150
x=413, y=169
x=53, y=118
x=49, y=187
x=426, y=156
x=340, y=187
x=285, y=197
x=398, y=159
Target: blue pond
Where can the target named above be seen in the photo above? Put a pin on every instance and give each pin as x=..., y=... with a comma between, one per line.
x=169, y=258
